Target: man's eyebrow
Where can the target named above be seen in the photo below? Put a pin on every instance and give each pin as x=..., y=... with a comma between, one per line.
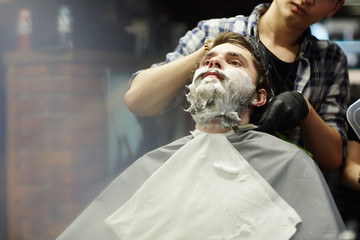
x=209, y=54
x=234, y=54
x=230, y=53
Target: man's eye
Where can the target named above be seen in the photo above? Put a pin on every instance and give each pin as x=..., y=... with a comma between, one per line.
x=235, y=63
x=206, y=62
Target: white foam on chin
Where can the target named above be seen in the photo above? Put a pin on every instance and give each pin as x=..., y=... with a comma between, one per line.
x=228, y=98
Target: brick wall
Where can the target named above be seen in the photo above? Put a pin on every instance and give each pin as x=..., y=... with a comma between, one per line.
x=56, y=139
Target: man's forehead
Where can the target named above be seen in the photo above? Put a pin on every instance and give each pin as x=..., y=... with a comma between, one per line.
x=231, y=49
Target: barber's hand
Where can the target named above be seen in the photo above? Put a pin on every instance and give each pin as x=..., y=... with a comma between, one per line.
x=285, y=111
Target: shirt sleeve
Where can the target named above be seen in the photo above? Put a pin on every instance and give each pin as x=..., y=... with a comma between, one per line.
x=189, y=43
x=337, y=97
x=205, y=29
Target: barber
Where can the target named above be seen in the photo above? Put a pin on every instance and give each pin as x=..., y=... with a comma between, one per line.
x=310, y=77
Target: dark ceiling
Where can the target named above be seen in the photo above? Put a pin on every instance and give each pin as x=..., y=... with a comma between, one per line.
x=191, y=11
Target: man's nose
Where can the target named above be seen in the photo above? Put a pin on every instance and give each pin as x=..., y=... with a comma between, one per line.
x=215, y=63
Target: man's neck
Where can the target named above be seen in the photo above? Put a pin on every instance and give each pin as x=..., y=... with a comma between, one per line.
x=214, y=126
x=278, y=36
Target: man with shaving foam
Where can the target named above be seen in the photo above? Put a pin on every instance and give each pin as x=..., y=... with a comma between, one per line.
x=224, y=180
x=306, y=74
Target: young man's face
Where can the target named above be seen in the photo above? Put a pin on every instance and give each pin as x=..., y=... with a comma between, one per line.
x=223, y=85
x=303, y=13
x=229, y=57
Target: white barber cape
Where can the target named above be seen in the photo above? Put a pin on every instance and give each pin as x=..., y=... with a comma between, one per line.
x=206, y=190
x=202, y=187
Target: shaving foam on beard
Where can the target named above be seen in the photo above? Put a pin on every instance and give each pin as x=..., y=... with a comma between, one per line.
x=200, y=81
x=226, y=106
x=242, y=88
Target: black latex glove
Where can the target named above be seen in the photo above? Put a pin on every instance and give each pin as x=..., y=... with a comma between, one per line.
x=285, y=111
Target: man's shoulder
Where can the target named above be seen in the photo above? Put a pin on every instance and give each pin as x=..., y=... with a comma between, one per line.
x=264, y=142
x=172, y=146
x=260, y=148
x=252, y=135
x=324, y=47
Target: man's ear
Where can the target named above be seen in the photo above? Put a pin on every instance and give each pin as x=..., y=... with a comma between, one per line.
x=259, y=98
x=335, y=9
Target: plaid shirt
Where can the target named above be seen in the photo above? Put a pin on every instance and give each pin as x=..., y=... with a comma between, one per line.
x=322, y=74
